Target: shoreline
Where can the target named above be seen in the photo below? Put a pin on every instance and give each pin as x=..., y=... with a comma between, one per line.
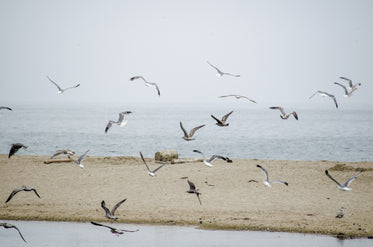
x=233, y=195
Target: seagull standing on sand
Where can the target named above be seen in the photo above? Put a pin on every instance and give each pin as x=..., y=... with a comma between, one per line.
x=221, y=73
x=238, y=97
x=8, y=226
x=324, y=94
x=60, y=90
x=14, y=148
x=110, y=214
x=342, y=187
x=80, y=159
x=67, y=152
x=284, y=115
x=340, y=213
x=193, y=190
x=147, y=83
x=121, y=121
x=22, y=188
x=212, y=158
x=267, y=182
x=188, y=137
x=5, y=108
x=222, y=122
x=112, y=229
x=347, y=93
x=351, y=86
x=151, y=173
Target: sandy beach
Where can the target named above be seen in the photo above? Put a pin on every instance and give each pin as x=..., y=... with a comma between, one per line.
x=233, y=195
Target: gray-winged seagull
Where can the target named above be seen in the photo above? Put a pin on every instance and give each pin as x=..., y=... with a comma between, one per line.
x=324, y=94
x=221, y=73
x=343, y=187
x=212, y=158
x=238, y=97
x=110, y=214
x=151, y=173
x=121, y=121
x=147, y=83
x=222, y=122
x=8, y=226
x=193, y=190
x=188, y=136
x=267, y=182
x=283, y=113
x=60, y=90
x=22, y=188
x=112, y=229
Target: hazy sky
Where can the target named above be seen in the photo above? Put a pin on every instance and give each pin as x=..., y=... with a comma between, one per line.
x=283, y=50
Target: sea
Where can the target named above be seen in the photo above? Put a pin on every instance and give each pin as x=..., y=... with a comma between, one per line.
x=254, y=132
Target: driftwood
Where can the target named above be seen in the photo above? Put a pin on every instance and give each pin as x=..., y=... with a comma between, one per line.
x=58, y=161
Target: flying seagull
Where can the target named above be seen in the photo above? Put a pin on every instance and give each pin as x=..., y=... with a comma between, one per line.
x=8, y=226
x=15, y=147
x=212, y=158
x=112, y=229
x=22, y=188
x=5, y=108
x=350, y=84
x=60, y=90
x=193, y=190
x=188, y=137
x=340, y=213
x=147, y=83
x=79, y=161
x=221, y=73
x=324, y=94
x=284, y=115
x=343, y=187
x=238, y=97
x=68, y=152
x=110, y=214
x=151, y=173
x=121, y=121
x=222, y=122
x=267, y=182
x=347, y=93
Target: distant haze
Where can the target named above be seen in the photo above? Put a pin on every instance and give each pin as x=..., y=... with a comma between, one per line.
x=283, y=50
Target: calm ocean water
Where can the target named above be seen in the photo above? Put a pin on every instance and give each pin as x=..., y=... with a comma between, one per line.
x=322, y=133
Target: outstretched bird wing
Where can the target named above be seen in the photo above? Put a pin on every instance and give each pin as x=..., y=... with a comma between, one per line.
x=191, y=133
x=327, y=174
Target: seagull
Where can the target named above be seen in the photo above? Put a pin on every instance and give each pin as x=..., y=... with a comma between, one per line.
x=350, y=84
x=151, y=173
x=221, y=122
x=347, y=93
x=192, y=189
x=110, y=214
x=212, y=158
x=284, y=115
x=340, y=213
x=326, y=94
x=238, y=97
x=79, y=161
x=68, y=152
x=22, y=188
x=267, y=182
x=343, y=187
x=5, y=108
x=112, y=229
x=8, y=226
x=148, y=84
x=221, y=73
x=188, y=137
x=121, y=121
x=60, y=90
x=15, y=147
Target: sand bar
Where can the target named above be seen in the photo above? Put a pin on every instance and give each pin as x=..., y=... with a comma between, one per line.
x=233, y=195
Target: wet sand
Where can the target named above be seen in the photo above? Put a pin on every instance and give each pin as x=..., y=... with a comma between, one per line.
x=233, y=195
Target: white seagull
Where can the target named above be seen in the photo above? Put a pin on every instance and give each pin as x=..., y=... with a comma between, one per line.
x=351, y=86
x=324, y=94
x=80, y=159
x=347, y=93
x=267, y=182
x=15, y=147
x=68, y=152
x=22, y=188
x=151, y=173
x=343, y=187
x=221, y=73
x=121, y=121
x=212, y=158
x=147, y=83
x=238, y=97
x=188, y=137
x=193, y=190
x=8, y=226
x=284, y=115
x=112, y=229
x=222, y=122
x=60, y=90
x=110, y=214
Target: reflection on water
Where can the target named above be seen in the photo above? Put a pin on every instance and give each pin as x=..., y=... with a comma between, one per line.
x=40, y=233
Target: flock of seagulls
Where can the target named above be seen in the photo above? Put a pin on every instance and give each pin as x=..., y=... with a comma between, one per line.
x=110, y=214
